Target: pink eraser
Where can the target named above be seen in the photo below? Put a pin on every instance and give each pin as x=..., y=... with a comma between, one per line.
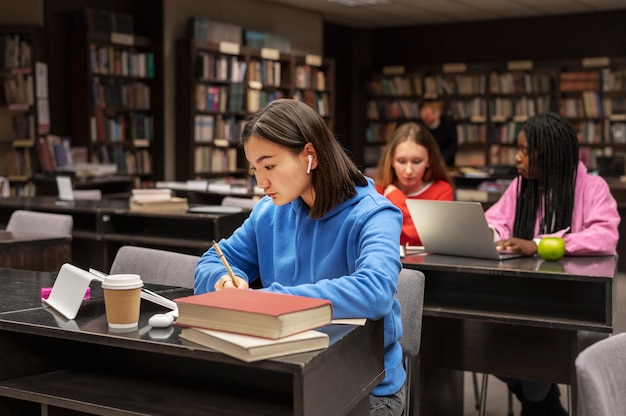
x=45, y=293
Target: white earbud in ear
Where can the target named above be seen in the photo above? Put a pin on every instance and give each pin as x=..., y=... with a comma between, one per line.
x=308, y=168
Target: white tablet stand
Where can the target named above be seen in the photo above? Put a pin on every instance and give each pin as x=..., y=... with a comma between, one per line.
x=69, y=290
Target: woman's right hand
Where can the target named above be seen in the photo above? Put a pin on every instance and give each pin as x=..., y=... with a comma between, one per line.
x=225, y=282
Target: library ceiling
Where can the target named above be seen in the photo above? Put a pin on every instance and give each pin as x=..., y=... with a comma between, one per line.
x=387, y=13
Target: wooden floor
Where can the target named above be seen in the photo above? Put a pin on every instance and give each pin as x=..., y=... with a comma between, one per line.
x=497, y=400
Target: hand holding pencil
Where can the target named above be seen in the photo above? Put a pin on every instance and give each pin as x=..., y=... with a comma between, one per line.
x=233, y=279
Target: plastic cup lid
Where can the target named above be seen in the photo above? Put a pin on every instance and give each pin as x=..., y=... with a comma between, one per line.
x=122, y=281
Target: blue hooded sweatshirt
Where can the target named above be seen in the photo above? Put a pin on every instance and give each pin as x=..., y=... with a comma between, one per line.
x=349, y=256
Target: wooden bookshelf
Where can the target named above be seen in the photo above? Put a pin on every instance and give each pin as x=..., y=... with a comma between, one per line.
x=117, y=100
x=396, y=95
x=490, y=102
x=24, y=108
x=218, y=84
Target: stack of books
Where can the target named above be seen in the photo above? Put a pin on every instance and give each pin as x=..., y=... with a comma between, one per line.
x=253, y=325
x=151, y=200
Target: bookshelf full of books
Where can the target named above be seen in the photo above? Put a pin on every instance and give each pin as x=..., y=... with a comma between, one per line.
x=490, y=102
x=396, y=96
x=219, y=83
x=117, y=104
x=24, y=111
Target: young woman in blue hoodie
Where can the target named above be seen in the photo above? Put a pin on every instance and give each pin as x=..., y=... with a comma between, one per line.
x=322, y=231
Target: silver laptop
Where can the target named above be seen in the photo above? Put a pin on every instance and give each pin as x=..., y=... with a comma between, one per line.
x=455, y=228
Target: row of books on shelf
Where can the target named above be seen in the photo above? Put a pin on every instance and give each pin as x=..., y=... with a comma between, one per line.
x=318, y=100
x=587, y=105
x=380, y=132
x=588, y=132
x=131, y=162
x=24, y=127
x=471, y=133
x=200, y=28
x=20, y=163
x=310, y=77
x=54, y=152
x=121, y=128
x=520, y=83
x=579, y=81
x=110, y=60
x=215, y=159
x=18, y=91
x=519, y=107
x=220, y=98
x=15, y=52
x=436, y=85
x=208, y=128
x=392, y=109
x=395, y=86
x=265, y=72
x=613, y=80
x=514, y=82
x=252, y=325
x=117, y=93
x=220, y=67
x=506, y=133
x=257, y=99
x=476, y=108
x=410, y=109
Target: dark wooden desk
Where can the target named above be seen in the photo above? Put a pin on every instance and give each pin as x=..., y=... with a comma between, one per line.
x=42, y=252
x=522, y=318
x=102, y=227
x=55, y=367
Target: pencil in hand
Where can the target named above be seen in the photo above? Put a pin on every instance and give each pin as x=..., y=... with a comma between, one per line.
x=225, y=262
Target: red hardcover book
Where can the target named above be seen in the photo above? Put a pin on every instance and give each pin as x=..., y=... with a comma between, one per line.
x=252, y=312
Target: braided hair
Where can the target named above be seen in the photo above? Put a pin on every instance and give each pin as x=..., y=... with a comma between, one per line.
x=548, y=192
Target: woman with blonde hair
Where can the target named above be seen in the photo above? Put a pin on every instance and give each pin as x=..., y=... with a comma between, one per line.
x=411, y=166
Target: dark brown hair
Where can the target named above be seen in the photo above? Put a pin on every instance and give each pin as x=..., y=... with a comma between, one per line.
x=293, y=124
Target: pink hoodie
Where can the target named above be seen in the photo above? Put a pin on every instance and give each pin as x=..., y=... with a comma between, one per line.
x=595, y=220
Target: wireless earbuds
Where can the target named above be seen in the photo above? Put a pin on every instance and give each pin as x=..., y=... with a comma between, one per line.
x=308, y=168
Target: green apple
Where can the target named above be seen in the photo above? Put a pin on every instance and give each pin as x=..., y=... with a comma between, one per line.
x=551, y=248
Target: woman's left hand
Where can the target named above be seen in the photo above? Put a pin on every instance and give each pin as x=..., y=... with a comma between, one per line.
x=517, y=245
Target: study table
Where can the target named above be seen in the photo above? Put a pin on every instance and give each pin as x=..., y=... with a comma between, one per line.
x=33, y=251
x=102, y=227
x=523, y=318
x=51, y=366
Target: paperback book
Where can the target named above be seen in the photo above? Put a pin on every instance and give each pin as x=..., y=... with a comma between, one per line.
x=250, y=348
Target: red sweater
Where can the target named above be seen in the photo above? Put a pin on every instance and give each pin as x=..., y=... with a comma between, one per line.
x=441, y=190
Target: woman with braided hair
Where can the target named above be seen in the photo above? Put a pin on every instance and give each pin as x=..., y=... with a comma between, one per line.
x=553, y=195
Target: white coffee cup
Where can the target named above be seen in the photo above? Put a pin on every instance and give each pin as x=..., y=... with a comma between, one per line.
x=122, y=300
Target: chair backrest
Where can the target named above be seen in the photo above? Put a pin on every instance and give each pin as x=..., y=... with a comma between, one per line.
x=231, y=201
x=601, y=377
x=156, y=266
x=40, y=222
x=411, y=296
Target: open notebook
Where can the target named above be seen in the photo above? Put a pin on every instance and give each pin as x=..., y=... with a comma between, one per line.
x=455, y=228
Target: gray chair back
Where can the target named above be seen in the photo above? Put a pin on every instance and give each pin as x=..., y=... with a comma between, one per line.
x=40, y=223
x=411, y=297
x=155, y=266
x=601, y=377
